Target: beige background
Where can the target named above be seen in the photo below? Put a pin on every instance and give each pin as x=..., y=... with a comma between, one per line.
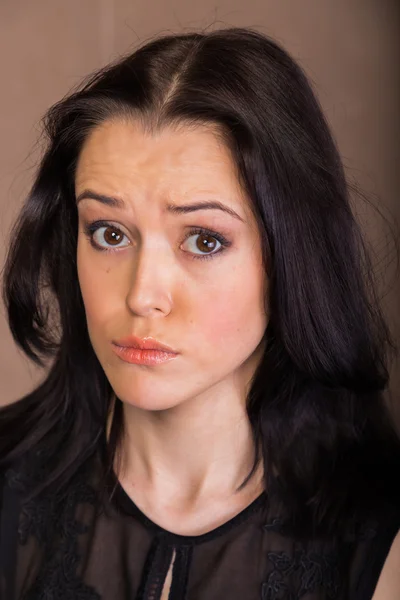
x=349, y=48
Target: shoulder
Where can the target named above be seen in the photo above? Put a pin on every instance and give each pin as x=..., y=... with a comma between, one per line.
x=30, y=480
x=31, y=504
x=376, y=565
x=10, y=506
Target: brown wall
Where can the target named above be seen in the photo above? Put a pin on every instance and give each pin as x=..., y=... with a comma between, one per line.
x=349, y=48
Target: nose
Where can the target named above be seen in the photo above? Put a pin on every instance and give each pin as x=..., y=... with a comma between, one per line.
x=150, y=289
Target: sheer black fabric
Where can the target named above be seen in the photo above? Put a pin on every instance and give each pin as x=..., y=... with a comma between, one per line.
x=88, y=545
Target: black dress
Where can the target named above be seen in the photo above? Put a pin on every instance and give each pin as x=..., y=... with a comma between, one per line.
x=89, y=545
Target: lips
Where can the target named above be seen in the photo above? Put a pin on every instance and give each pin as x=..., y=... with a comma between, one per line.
x=143, y=351
x=147, y=343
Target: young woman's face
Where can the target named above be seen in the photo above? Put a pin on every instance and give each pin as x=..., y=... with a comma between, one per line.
x=147, y=271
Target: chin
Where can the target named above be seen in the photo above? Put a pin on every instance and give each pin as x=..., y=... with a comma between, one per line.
x=141, y=397
x=153, y=405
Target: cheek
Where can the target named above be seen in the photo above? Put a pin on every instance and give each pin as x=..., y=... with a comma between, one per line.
x=235, y=314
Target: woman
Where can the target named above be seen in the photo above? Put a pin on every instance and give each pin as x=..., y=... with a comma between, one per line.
x=211, y=424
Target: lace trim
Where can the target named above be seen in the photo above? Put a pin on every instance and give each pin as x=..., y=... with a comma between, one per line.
x=357, y=531
x=314, y=570
x=54, y=526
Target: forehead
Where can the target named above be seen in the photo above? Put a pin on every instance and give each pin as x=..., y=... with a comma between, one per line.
x=182, y=158
x=125, y=146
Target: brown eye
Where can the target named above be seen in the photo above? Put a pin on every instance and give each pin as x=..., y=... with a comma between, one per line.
x=205, y=243
x=110, y=236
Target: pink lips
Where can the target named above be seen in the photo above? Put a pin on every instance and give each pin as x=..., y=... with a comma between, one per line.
x=146, y=351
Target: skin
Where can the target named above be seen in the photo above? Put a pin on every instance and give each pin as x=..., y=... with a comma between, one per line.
x=388, y=586
x=188, y=442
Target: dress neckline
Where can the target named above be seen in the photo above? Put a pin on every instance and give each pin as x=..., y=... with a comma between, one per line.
x=124, y=503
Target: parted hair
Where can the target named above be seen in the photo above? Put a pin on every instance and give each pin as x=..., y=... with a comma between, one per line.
x=317, y=400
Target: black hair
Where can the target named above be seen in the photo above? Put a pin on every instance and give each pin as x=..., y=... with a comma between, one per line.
x=316, y=403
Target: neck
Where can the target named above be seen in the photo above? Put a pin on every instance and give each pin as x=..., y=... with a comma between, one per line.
x=200, y=449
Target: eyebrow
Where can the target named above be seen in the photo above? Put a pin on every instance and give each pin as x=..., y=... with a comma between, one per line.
x=175, y=209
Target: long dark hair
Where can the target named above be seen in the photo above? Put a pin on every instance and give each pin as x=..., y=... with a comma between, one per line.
x=316, y=404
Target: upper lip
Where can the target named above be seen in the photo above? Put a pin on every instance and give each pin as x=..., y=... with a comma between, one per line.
x=146, y=343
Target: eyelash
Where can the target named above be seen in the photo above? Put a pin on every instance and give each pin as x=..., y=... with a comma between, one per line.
x=91, y=228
